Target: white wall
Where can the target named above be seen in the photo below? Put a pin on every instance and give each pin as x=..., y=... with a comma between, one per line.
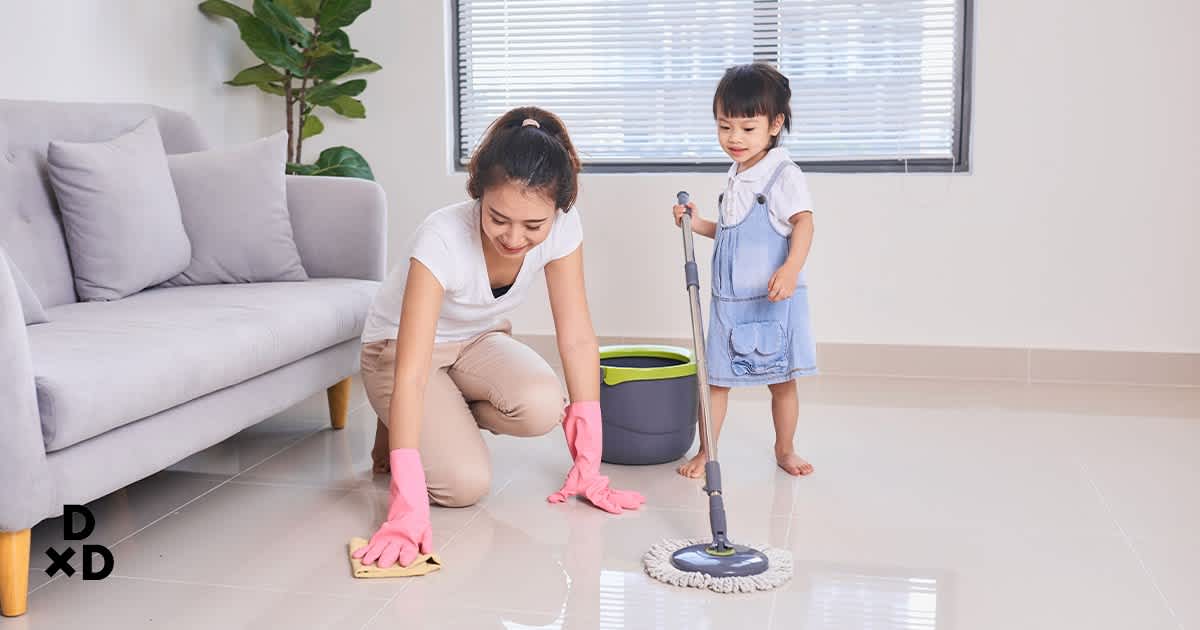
x=163, y=52
x=1077, y=227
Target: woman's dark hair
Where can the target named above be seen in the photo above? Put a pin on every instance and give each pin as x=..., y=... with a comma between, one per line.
x=539, y=157
x=754, y=89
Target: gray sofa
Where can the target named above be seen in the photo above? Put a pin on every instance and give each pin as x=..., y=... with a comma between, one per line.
x=107, y=393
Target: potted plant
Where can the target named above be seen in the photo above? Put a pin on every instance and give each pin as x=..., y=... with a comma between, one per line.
x=306, y=57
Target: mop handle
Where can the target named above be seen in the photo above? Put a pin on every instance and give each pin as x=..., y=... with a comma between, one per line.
x=712, y=469
x=692, y=275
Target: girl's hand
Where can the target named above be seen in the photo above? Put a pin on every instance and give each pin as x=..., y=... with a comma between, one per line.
x=783, y=283
x=678, y=211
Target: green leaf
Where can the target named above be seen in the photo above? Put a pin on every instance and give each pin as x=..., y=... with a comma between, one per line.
x=221, y=8
x=271, y=88
x=335, y=162
x=325, y=93
x=262, y=73
x=362, y=65
x=337, y=39
x=330, y=67
x=340, y=13
x=279, y=19
x=349, y=107
x=269, y=45
x=312, y=126
x=301, y=8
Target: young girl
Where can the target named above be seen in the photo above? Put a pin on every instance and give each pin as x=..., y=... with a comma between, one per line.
x=438, y=360
x=758, y=328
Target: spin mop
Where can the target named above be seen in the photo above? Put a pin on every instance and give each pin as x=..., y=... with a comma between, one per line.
x=718, y=565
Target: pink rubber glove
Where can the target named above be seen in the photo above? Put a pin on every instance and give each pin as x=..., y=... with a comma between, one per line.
x=583, y=429
x=407, y=530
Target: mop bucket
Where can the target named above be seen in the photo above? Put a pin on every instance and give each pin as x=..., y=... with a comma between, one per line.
x=648, y=402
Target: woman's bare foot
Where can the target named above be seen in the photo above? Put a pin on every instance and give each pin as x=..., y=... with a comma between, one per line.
x=792, y=464
x=694, y=468
x=380, y=455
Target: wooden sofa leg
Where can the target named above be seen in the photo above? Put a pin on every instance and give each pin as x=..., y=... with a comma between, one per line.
x=339, y=403
x=14, y=572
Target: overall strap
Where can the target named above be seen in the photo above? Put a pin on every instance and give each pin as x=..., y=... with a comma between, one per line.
x=771, y=181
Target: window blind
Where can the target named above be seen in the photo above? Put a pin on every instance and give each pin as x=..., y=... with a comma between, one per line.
x=872, y=81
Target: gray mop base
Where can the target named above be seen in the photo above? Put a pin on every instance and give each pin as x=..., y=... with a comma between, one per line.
x=657, y=562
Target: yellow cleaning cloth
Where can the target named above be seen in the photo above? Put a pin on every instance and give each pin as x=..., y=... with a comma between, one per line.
x=423, y=565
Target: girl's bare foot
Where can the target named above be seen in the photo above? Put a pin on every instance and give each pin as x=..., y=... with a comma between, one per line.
x=694, y=468
x=380, y=455
x=792, y=464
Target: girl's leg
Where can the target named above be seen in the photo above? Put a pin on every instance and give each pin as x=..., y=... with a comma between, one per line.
x=785, y=411
x=719, y=401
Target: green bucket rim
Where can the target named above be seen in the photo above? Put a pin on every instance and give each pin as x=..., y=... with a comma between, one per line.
x=615, y=375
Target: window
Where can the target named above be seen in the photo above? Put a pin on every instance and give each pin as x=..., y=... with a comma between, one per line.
x=877, y=85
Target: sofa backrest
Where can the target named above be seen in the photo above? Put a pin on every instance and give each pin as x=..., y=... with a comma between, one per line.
x=30, y=224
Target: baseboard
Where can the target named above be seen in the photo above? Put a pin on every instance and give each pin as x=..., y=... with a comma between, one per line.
x=1028, y=365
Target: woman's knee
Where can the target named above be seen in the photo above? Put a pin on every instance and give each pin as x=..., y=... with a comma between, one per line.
x=462, y=486
x=537, y=407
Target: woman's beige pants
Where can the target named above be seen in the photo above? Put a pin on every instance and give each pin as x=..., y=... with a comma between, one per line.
x=491, y=381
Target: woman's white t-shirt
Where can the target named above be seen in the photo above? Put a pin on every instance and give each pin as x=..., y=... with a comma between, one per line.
x=448, y=242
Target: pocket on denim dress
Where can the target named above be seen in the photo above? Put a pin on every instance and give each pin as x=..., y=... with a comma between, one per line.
x=758, y=348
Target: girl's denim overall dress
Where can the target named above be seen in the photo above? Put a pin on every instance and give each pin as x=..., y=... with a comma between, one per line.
x=751, y=340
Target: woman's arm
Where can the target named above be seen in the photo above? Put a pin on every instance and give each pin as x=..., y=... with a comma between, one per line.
x=577, y=345
x=414, y=353
x=580, y=354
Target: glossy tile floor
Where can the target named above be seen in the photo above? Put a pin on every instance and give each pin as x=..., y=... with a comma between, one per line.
x=935, y=504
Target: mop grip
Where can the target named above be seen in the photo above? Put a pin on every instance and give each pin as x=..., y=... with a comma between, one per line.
x=691, y=272
x=683, y=198
x=712, y=477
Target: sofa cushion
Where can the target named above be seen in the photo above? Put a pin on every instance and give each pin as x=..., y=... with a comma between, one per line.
x=30, y=223
x=31, y=306
x=120, y=213
x=234, y=204
x=100, y=365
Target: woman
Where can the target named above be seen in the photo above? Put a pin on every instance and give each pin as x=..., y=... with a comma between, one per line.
x=438, y=361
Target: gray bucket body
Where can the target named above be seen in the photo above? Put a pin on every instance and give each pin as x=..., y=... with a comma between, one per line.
x=647, y=421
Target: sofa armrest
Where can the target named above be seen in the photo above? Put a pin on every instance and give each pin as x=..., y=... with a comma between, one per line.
x=340, y=226
x=26, y=487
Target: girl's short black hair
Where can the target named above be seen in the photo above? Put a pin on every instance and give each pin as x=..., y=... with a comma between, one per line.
x=539, y=157
x=754, y=89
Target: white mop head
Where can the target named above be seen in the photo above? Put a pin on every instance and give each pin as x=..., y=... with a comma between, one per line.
x=658, y=566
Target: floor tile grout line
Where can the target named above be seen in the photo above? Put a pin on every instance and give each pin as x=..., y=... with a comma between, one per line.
x=1128, y=541
x=44, y=584
x=362, y=484
x=241, y=587
x=211, y=490
x=200, y=496
x=787, y=540
x=449, y=542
